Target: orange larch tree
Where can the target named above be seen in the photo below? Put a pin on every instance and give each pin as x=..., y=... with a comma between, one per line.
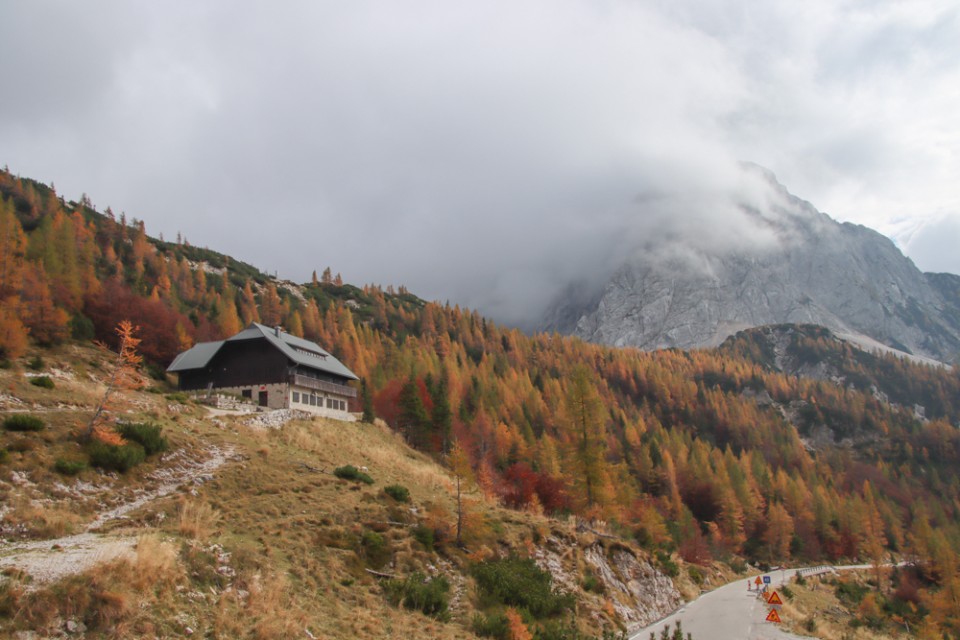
x=124, y=375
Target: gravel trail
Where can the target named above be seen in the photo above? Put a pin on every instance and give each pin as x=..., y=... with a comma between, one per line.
x=49, y=560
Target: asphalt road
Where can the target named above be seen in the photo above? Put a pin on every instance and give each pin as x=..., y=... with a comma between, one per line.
x=731, y=612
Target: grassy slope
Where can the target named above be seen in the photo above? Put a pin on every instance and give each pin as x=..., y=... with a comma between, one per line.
x=268, y=547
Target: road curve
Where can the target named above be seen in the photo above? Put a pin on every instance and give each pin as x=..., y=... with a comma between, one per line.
x=731, y=612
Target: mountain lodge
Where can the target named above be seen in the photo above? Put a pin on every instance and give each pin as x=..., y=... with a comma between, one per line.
x=272, y=367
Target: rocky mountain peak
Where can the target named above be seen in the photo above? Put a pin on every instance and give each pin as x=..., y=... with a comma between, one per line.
x=779, y=261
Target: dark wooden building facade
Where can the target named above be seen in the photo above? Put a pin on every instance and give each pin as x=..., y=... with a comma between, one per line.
x=271, y=367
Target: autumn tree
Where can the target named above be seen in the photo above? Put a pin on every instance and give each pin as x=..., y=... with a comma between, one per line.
x=123, y=376
x=441, y=417
x=874, y=540
x=270, y=306
x=366, y=400
x=46, y=321
x=463, y=477
x=228, y=320
x=779, y=532
x=13, y=251
x=584, y=413
x=13, y=334
x=414, y=421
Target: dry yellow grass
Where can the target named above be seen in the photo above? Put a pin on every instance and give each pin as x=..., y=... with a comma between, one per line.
x=41, y=520
x=816, y=601
x=360, y=444
x=198, y=520
x=271, y=545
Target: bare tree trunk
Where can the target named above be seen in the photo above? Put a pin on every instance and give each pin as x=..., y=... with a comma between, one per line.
x=459, y=514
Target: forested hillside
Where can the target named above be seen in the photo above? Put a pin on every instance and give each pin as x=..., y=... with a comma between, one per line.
x=716, y=453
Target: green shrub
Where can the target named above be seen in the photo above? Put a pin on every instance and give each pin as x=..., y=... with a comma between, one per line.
x=419, y=593
x=519, y=582
x=44, y=382
x=424, y=535
x=398, y=492
x=22, y=422
x=491, y=626
x=592, y=583
x=696, y=575
x=799, y=579
x=69, y=467
x=35, y=363
x=567, y=630
x=178, y=396
x=350, y=472
x=850, y=592
x=81, y=328
x=739, y=566
x=5, y=363
x=116, y=458
x=146, y=434
x=787, y=592
x=667, y=565
x=374, y=548
x=4, y=456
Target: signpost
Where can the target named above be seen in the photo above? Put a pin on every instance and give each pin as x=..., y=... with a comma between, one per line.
x=773, y=616
x=766, y=579
x=775, y=599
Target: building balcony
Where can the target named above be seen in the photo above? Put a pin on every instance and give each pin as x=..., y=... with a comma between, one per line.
x=323, y=385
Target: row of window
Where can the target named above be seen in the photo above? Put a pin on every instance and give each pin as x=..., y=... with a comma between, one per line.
x=317, y=401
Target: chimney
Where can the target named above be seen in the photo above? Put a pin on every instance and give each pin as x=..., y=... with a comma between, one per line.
x=276, y=330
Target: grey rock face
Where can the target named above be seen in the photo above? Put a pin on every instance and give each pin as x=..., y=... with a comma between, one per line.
x=640, y=594
x=846, y=277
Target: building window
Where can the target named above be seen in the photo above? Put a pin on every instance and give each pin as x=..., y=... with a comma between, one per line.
x=296, y=396
x=247, y=393
x=313, y=401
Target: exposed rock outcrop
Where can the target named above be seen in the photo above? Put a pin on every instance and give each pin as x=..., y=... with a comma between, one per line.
x=639, y=592
x=811, y=269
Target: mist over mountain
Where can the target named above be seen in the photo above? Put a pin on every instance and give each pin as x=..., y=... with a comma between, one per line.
x=769, y=258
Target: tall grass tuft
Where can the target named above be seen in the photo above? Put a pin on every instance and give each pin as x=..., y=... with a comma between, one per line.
x=198, y=520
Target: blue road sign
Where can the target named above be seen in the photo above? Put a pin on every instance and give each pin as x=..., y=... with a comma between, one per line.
x=766, y=579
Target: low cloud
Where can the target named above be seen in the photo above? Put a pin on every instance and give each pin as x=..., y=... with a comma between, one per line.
x=486, y=153
x=933, y=244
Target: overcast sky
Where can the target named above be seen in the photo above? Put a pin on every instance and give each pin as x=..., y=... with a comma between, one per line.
x=481, y=152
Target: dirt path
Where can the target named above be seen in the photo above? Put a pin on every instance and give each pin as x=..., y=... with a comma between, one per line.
x=50, y=560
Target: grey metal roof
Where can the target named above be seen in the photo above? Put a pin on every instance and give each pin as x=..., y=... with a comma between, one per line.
x=291, y=346
x=196, y=357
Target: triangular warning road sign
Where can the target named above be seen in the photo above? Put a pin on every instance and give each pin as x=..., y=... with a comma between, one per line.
x=773, y=616
x=758, y=581
x=774, y=598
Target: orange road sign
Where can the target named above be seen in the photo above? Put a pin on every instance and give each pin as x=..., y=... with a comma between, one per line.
x=774, y=598
x=758, y=581
x=773, y=616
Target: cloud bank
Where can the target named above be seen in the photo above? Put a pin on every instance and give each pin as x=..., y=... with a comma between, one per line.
x=482, y=153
